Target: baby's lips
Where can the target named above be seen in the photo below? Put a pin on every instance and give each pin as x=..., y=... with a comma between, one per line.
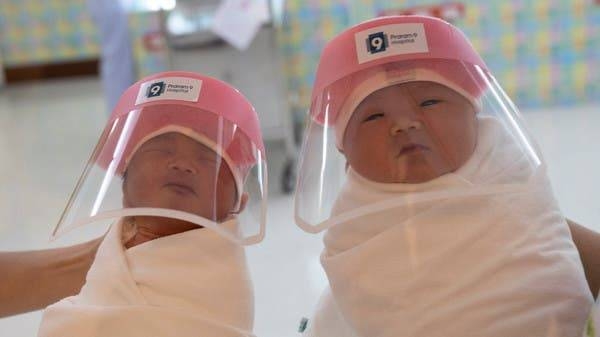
x=412, y=148
x=180, y=187
x=180, y=184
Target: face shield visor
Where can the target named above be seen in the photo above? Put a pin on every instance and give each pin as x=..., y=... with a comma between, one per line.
x=410, y=126
x=407, y=103
x=184, y=148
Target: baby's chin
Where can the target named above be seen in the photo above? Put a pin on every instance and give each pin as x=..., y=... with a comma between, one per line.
x=188, y=207
x=417, y=177
x=418, y=169
x=416, y=174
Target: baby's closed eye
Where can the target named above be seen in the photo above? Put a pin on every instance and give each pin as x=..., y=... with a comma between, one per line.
x=430, y=102
x=373, y=116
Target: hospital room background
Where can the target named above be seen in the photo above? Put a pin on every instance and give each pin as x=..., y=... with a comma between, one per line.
x=53, y=105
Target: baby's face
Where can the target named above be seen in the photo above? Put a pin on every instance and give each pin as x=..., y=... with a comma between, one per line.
x=410, y=133
x=176, y=172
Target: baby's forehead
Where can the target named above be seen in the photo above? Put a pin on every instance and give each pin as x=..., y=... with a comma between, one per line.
x=175, y=141
x=413, y=88
x=410, y=91
x=176, y=138
x=178, y=141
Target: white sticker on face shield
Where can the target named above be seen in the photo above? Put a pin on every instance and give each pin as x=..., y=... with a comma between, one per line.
x=169, y=88
x=384, y=41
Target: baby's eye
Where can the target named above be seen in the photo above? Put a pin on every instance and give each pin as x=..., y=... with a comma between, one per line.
x=374, y=116
x=430, y=102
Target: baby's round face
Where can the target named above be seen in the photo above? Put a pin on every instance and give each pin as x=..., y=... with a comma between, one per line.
x=176, y=172
x=410, y=133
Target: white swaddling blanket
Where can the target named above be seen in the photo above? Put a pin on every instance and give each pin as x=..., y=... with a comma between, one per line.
x=496, y=263
x=194, y=283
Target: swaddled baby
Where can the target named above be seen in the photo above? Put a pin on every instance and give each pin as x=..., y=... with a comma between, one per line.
x=165, y=268
x=446, y=224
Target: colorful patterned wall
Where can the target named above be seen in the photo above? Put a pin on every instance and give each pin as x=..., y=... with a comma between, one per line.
x=48, y=31
x=45, y=31
x=543, y=53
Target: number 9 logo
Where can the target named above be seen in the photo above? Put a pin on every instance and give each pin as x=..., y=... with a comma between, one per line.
x=155, y=89
x=376, y=42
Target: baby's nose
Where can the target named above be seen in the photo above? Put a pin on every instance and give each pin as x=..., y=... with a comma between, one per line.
x=183, y=165
x=405, y=125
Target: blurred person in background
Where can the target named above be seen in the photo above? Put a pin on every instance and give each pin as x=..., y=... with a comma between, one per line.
x=116, y=57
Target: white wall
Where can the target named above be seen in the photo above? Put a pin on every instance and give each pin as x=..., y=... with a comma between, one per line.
x=570, y=141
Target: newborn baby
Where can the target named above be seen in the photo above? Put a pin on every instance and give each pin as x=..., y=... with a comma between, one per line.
x=446, y=224
x=169, y=265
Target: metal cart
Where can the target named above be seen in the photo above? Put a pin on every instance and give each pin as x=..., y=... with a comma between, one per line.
x=257, y=72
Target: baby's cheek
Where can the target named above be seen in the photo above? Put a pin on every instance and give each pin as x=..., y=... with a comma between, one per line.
x=149, y=181
x=373, y=134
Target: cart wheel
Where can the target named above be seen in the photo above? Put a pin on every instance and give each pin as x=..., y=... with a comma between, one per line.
x=288, y=176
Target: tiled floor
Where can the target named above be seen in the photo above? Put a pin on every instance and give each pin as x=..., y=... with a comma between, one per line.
x=48, y=130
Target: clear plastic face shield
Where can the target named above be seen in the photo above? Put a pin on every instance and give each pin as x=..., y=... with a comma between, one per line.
x=188, y=166
x=429, y=129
